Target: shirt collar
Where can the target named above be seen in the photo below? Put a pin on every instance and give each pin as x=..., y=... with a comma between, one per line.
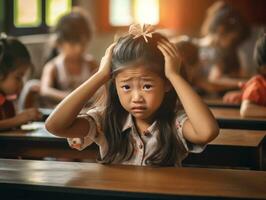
x=129, y=123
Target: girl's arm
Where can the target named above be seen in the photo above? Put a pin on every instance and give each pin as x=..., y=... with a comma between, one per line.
x=27, y=115
x=63, y=121
x=201, y=127
x=249, y=109
x=47, y=84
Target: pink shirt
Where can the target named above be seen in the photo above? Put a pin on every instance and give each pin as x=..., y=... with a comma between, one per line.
x=144, y=145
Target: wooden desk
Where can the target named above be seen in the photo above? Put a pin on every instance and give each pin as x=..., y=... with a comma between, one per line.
x=218, y=103
x=39, y=144
x=230, y=118
x=50, y=179
x=233, y=148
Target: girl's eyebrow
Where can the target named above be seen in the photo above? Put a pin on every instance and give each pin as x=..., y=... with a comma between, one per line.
x=145, y=78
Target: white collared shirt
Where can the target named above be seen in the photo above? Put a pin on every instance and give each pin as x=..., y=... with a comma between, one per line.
x=144, y=144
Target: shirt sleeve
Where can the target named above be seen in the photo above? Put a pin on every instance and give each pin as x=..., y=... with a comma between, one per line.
x=93, y=119
x=252, y=93
x=190, y=147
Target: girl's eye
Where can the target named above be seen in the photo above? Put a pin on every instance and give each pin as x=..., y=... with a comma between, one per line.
x=147, y=87
x=125, y=87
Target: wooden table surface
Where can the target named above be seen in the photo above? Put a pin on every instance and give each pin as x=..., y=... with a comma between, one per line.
x=236, y=137
x=130, y=181
x=232, y=148
x=218, y=103
x=230, y=118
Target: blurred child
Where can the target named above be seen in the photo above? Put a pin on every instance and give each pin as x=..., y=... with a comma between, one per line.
x=253, y=93
x=68, y=67
x=223, y=30
x=14, y=62
x=191, y=66
x=71, y=66
x=139, y=124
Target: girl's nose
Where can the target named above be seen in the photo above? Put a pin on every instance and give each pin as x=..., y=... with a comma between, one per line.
x=137, y=96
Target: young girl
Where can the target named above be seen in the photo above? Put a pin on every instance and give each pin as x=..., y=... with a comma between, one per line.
x=71, y=66
x=139, y=124
x=223, y=31
x=14, y=62
x=253, y=94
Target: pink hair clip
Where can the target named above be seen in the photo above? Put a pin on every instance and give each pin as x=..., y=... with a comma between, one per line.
x=144, y=30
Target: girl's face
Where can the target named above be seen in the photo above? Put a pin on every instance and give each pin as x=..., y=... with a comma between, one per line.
x=73, y=49
x=225, y=40
x=140, y=91
x=12, y=83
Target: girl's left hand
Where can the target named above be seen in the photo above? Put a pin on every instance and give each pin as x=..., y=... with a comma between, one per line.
x=171, y=57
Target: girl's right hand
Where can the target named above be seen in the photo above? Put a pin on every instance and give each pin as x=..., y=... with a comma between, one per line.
x=105, y=65
x=31, y=114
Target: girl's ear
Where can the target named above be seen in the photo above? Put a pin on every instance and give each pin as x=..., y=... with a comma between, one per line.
x=168, y=86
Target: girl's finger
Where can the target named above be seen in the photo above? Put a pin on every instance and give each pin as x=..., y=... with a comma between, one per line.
x=171, y=51
x=164, y=52
x=171, y=46
x=166, y=49
x=110, y=48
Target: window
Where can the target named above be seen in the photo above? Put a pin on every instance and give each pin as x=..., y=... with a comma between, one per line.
x=126, y=12
x=33, y=16
x=55, y=9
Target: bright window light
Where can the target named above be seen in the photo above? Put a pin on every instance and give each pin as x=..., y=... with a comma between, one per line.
x=120, y=12
x=27, y=13
x=146, y=11
x=55, y=9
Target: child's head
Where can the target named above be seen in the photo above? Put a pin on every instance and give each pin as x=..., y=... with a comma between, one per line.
x=225, y=24
x=189, y=54
x=260, y=54
x=138, y=73
x=139, y=87
x=73, y=33
x=14, y=62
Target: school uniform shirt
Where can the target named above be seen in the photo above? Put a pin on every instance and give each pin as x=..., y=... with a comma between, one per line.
x=255, y=90
x=144, y=144
x=66, y=81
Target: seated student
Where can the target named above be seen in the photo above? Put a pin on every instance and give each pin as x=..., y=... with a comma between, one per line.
x=223, y=31
x=72, y=66
x=191, y=66
x=14, y=62
x=253, y=93
x=140, y=122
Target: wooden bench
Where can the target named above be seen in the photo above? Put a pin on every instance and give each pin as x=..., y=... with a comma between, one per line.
x=26, y=179
x=230, y=118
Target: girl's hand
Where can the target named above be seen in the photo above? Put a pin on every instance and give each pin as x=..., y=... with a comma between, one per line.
x=32, y=114
x=234, y=97
x=171, y=57
x=105, y=65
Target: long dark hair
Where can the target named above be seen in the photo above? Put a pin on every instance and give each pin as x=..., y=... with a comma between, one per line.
x=12, y=54
x=130, y=50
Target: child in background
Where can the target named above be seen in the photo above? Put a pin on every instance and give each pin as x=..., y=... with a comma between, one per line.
x=72, y=66
x=253, y=93
x=223, y=30
x=139, y=123
x=68, y=69
x=191, y=66
x=14, y=62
